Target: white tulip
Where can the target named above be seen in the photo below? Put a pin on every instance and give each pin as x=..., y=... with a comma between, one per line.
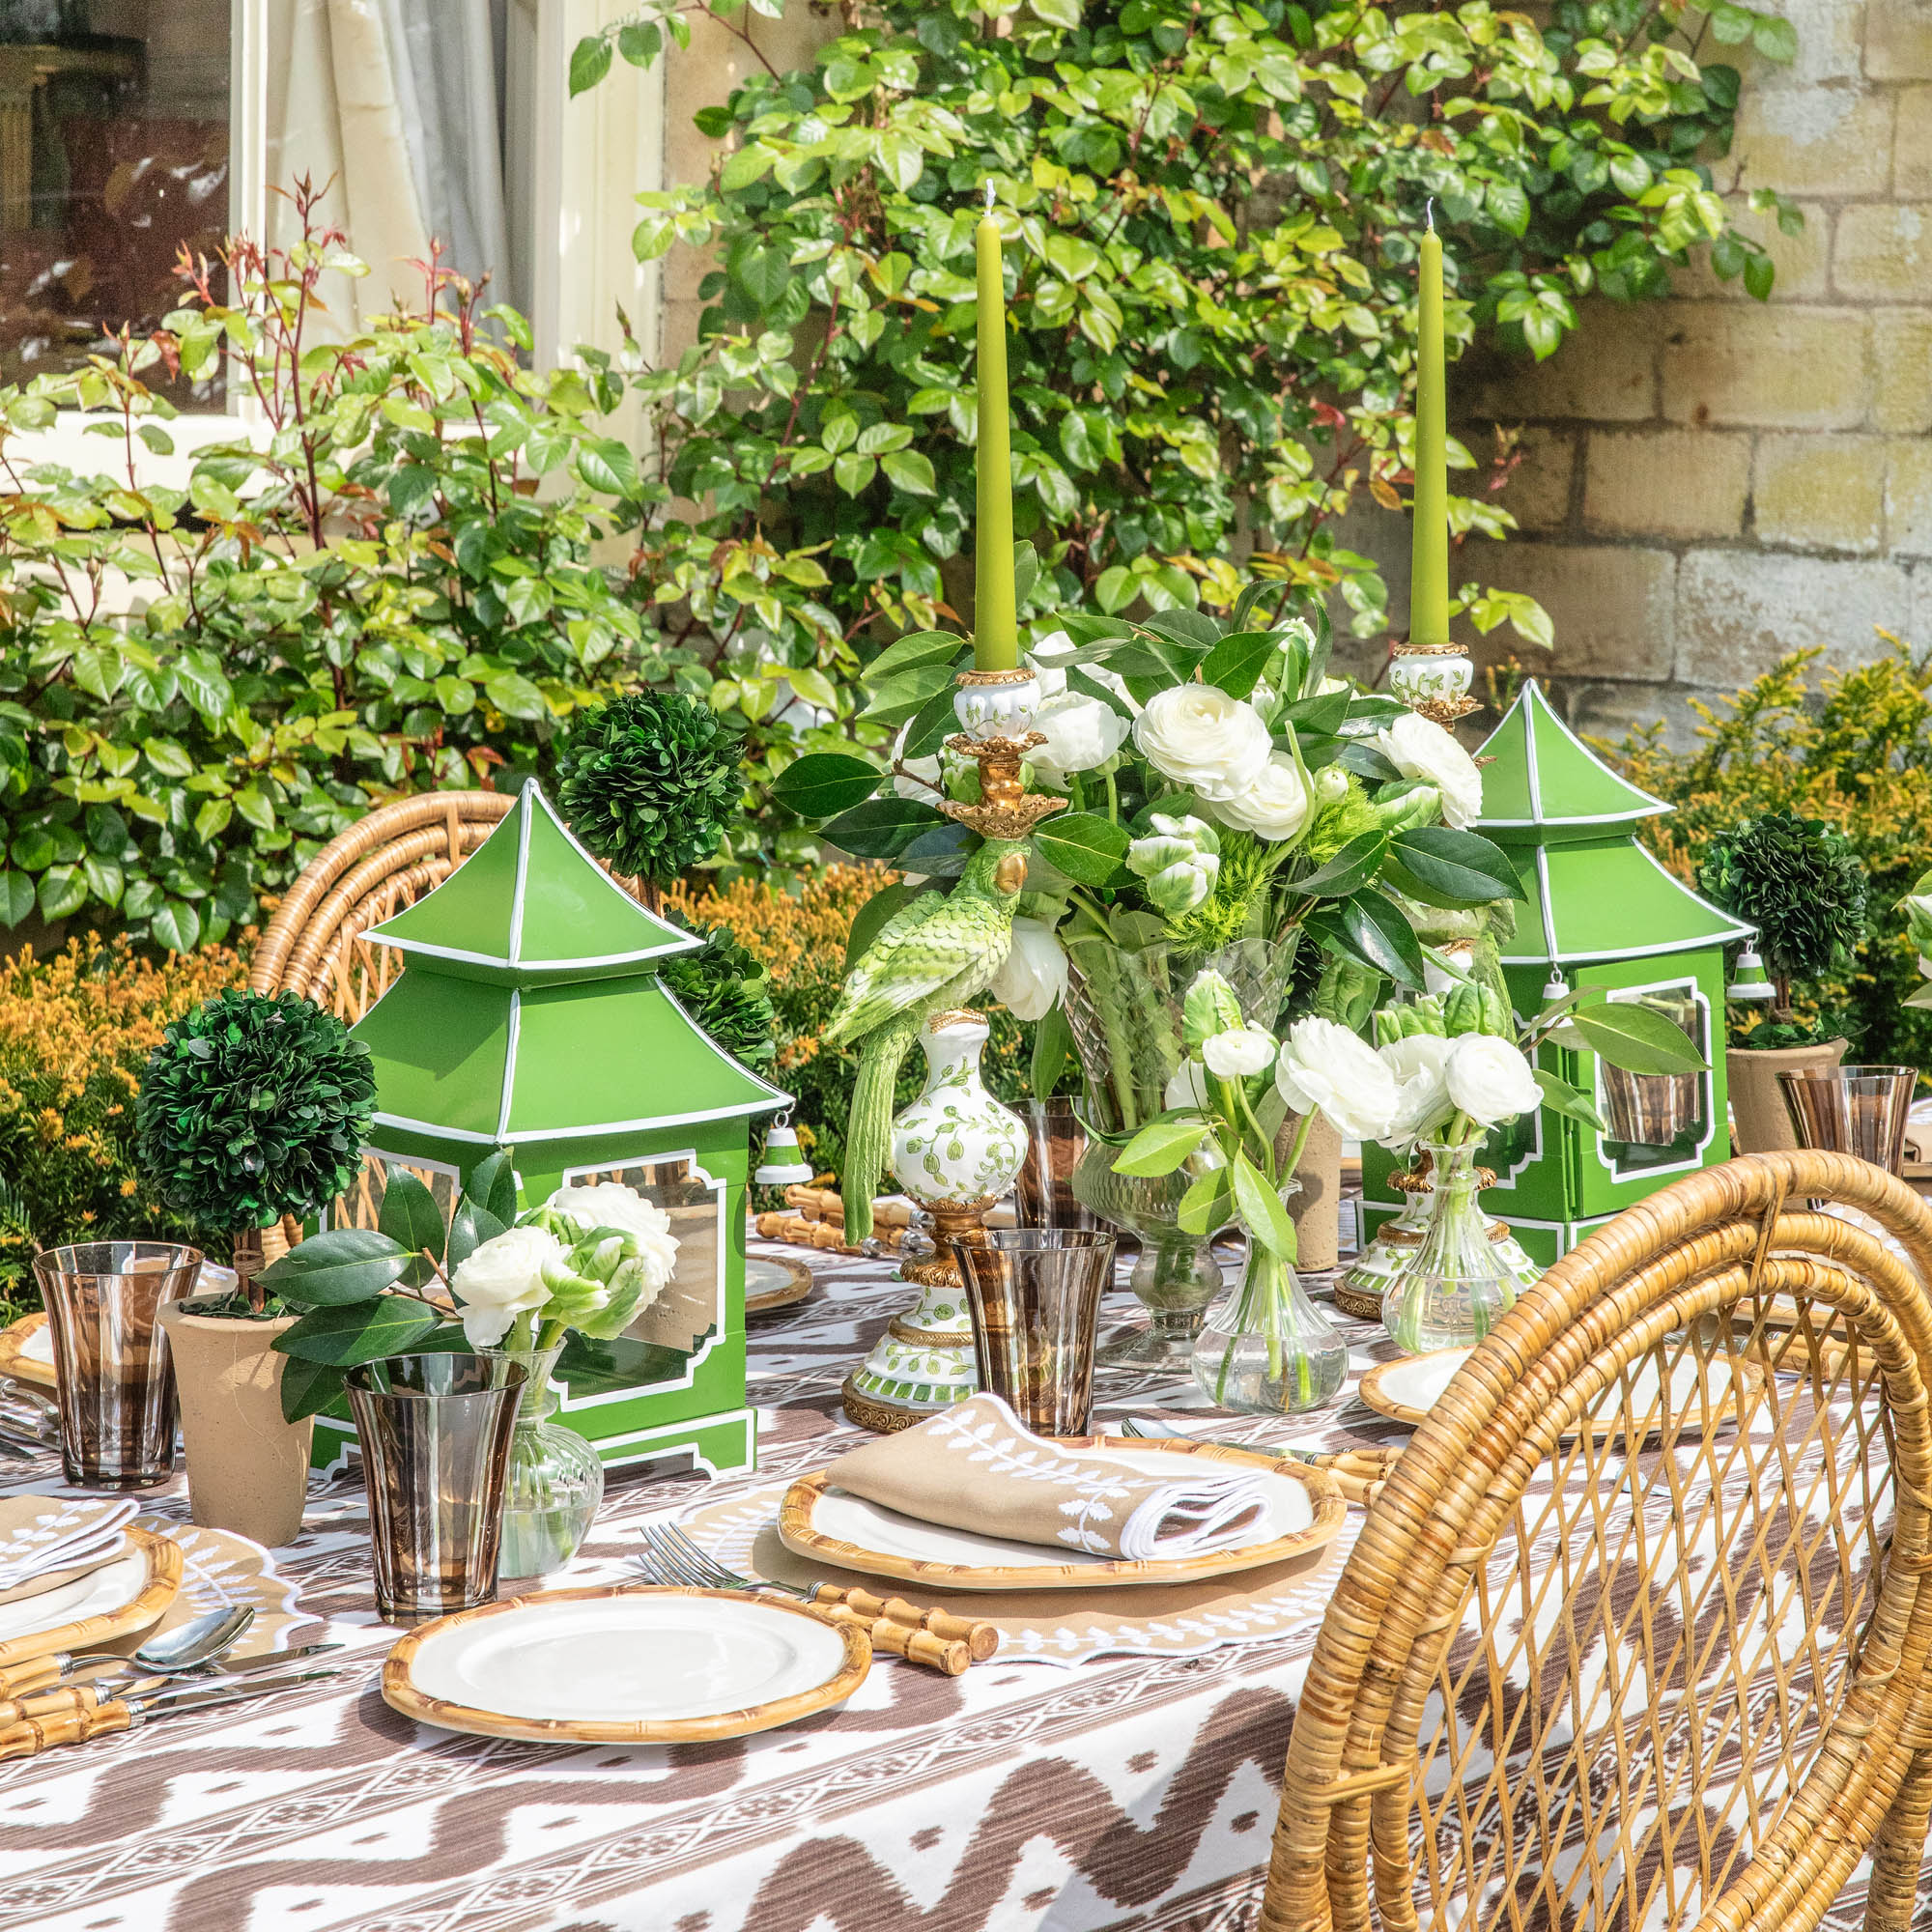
x=503, y=1278
x=1180, y=859
x=1274, y=806
x=1490, y=1079
x=1418, y=747
x=1422, y=1094
x=1237, y=1055
x=1325, y=1065
x=1034, y=976
x=1081, y=733
x=1197, y=735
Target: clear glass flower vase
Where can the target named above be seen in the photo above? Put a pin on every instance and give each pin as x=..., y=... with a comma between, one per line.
x=1266, y=1349
x=1451, y=1296
x=556, y=1480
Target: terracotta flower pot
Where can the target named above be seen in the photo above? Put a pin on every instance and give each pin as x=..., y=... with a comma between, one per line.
x=1757, y=1101
x=247, y=1469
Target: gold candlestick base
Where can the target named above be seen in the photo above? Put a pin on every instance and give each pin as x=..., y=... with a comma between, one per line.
x=1446, y=710
x=1004, y=808
x=923, y=1363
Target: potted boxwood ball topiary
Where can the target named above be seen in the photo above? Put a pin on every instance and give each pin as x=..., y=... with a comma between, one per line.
x=1800, y=883
x=251, y=1108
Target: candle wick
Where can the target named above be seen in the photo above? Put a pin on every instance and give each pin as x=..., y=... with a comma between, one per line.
x=1428, y=213
x=990, y=200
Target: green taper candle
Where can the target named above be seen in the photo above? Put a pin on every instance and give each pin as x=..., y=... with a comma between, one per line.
x=1428, y=573
x=996, y=639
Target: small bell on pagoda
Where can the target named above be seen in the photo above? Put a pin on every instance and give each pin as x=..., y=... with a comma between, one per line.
x=781, y=1166
x=1751, y=982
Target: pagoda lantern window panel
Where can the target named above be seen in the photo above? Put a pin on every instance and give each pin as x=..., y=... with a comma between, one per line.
x=690, y=1314
x=1658, y=1123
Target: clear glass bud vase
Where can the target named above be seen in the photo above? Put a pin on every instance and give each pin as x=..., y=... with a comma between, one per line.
x=1266, y=1349
x=555, y=1480
x=1452, y=1293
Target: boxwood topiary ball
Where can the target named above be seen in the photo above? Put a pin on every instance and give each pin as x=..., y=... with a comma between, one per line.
x=252, y=1108
x=1797, y=881
x=649, y=781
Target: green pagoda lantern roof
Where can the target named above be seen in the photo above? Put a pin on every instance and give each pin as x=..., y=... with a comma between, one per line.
x=1544, y=781
x=530, y=907
x=1569, y=823
x=500, y=1064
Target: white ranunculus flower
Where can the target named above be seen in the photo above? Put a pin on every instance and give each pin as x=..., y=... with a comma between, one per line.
x=1418, y=747
x=904, y=787
x=1032, y=979
x=1325, y=1065
x=1186, y=1086
x=1236, y=1055
x=1081, y=733
x=501, y=1279
x=1490, y=1079
x=1274, y=806
x=610, y=1204
x=1197, y=735
x=1422, y=1094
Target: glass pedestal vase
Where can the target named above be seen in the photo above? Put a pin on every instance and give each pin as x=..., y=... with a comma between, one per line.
x=1458, y=1285
x=1123, y=1007
x=1267, y=1350
x=555, y=1479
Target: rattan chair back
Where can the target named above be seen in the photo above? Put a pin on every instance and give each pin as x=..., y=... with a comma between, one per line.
x=1637, y=1633
x=315, y=944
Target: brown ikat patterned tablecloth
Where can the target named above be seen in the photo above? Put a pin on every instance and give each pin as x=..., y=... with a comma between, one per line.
x=1120, y=1795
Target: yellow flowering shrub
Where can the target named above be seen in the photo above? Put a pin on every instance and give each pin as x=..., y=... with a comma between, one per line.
x=798, y=932
x=75, y=1031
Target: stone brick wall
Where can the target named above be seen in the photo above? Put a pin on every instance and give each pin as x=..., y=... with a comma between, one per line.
x=1708, y=481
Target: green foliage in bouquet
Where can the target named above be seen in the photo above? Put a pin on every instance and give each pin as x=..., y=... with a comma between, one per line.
x=585, y=1260
x=251, y=1108
x=1211, y=213
x=649, y=781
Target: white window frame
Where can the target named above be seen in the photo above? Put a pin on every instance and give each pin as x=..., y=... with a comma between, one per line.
x=590, y=157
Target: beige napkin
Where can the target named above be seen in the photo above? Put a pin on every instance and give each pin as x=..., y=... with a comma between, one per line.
x=977, y=1467
x=48, y=1540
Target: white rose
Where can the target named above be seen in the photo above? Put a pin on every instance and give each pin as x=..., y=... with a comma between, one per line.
x=1418, y=747
x=1422, y=1095
x=1081, y=733
x=1187, y=1086
x=501, y=1279
x=1275, y=805
x=1032, y=979
x=1236, y=1054
x=1490, y=1080
x=610, y=1204
x=1325, y=1065
x=1198, y=735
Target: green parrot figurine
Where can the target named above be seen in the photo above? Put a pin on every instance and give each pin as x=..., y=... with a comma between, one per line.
x=929, y=957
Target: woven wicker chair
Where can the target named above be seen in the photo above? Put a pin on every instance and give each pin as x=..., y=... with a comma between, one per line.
x=314, y=943
x=1636, y=1635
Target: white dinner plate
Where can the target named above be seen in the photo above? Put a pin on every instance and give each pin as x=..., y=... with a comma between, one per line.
x=1405, y=1391
x=771, y=1282
x=625, y=1665
x=1301, y=1509
x=127, y=1595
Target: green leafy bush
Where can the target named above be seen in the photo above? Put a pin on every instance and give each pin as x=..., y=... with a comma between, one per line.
x=1853, y=752
x=373, y=597
x=253, y=1107
x=1211, y=213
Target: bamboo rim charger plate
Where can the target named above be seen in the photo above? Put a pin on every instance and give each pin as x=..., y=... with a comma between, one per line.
x=127, y=1595
x=1407, y=1389
x=625, y=1665
x=1304, y=1509
x=771, y=1281
x=27, y=1351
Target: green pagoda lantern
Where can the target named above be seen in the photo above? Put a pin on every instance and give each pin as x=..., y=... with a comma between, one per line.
x=529, y=1015
x=1601, y=912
